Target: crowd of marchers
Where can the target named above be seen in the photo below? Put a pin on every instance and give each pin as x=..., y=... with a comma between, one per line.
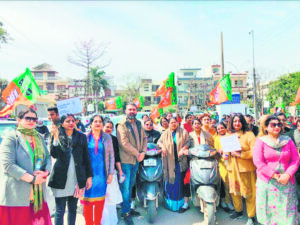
x=100, y=170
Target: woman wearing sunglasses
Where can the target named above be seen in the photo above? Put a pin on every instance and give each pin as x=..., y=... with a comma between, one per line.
x=72, y=171
x=277, y=159
x=152, y=135
x=24, y=166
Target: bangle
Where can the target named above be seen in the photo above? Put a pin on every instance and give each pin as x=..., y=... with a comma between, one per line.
x=33, y=180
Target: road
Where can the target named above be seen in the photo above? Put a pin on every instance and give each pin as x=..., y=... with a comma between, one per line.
x=164, y=217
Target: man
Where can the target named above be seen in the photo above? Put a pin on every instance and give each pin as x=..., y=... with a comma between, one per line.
x=132, y=146
x=53, y=115
x=217, y=117
x=42, y=128
x=282, y=118
x=188, y=123
x=252, y=127
x=80, y=125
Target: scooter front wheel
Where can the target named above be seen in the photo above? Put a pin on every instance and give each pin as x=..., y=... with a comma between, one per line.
x=151, y=210
x=210, y=213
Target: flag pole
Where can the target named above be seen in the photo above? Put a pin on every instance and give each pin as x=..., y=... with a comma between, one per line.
x=222, y=55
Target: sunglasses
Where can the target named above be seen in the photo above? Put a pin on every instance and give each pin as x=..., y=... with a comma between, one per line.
x=273, y=125
x=28, y=119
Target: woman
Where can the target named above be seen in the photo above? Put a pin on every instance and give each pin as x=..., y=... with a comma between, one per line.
x=152, y=135
x=174, y=143
x=205, y=121
x=164, y=123
x=101, y=154
x=241, y=170
x=72, y=171
x=110, y=211
x=277, y=159
x=24, y=166
x=225, y=196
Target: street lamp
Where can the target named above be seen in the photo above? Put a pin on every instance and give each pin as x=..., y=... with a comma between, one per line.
x=254, y=78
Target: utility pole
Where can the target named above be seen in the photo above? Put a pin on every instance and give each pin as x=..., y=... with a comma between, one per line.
x=222, y=55
x=254, y=79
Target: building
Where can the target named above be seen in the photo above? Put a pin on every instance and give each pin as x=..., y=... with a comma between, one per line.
x=193, y=88
x=50, y=84
x=147, y=90
x=238, y=80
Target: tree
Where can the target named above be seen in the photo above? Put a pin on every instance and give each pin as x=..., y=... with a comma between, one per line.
x=4, y=36
x=98, y=82
x=285, y=88
x=131, y=88
x=86, y=54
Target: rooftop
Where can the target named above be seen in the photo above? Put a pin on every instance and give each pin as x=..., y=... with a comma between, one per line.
x=43, y=67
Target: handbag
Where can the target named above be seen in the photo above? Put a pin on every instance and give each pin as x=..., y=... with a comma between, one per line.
x=113, y=194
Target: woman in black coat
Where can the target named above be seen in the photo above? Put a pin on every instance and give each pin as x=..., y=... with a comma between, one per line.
x=72, y=171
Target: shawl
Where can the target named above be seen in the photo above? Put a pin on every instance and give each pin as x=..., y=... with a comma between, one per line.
x=182, y=139
x=281, y=141
x=37, y=158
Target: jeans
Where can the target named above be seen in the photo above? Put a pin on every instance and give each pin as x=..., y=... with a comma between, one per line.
x=126, y=187
x=60, y=210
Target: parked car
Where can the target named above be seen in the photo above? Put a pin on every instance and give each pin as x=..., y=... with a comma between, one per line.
x=5, y=127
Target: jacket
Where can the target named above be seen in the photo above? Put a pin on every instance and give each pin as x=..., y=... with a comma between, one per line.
x=15, y=161
x=128, y=141
x=267, y=160
x=108, y=152
x=82, y=162
x=152, y=136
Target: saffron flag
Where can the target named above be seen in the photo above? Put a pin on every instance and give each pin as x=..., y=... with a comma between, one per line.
x=21, y=90
x=139, y=102
x=114, y=103
x=167, y=83
x=162, y=89
x=166, y=99
x=222, y=92
x=155, y=113
x=297, y=99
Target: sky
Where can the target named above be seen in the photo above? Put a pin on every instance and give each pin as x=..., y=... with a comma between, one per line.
x=150, y=39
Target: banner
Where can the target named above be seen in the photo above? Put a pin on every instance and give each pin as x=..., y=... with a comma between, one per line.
x=114, y=103
x=21, y=90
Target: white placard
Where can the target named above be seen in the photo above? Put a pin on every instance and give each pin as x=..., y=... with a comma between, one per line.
x=230, y=143
x=69, y=105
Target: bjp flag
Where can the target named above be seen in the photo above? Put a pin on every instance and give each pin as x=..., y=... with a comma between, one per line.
x=297, y=99
x=166, y=99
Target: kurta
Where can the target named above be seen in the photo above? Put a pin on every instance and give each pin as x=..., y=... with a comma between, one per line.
x=98, y=190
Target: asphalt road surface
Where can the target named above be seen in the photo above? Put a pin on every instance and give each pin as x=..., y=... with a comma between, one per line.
x=166, y=217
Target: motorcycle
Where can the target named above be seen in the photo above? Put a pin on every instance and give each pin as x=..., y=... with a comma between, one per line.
x=149, y=181
x=205, y=180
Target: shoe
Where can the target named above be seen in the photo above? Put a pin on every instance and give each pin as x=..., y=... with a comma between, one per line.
x=134, y=213
x=230, y=206
x=182, y=210
x=251, y=221
x=128, y=219
x=235, y=215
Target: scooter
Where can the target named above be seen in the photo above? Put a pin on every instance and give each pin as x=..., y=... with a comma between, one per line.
x=205, y=180
x=149, y=181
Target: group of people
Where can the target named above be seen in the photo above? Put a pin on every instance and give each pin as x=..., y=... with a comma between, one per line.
x=99, y=169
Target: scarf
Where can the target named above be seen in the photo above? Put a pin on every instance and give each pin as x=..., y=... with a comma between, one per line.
x=281, y=141
x=182, y=139
x=37, y=157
